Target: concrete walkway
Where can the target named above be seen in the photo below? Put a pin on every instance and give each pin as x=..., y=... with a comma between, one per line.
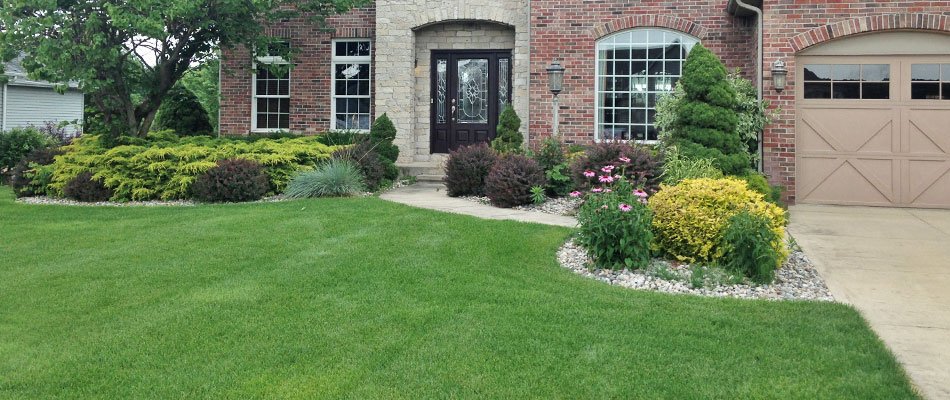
x=894, y=266
x=432, y=196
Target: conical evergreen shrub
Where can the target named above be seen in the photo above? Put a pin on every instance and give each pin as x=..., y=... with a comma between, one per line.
x=706, y=118
x=382, y=134
x=508, y=137
x=182, y=112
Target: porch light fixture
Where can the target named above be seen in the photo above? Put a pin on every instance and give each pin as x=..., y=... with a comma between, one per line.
x=779, y=75
x=555, y=84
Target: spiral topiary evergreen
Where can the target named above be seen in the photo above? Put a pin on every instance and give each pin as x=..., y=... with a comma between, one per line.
x=706, y=119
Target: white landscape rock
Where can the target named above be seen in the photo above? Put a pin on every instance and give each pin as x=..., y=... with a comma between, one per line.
x=796, y=280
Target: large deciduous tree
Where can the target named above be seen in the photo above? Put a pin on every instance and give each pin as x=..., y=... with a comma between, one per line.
x=127, y=54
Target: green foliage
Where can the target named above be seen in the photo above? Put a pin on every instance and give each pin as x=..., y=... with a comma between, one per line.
x=510, y=180
x=382, y=134
x=467, y=168
x=748, y=247
x=508, y=138
x=559, y=180
x=372, y=166
x=85, y=187
x=34, y=173
x=637, y=163
x=233, y=180
x=336, y=178
x=16, y=143
x=182, y=113
x=550, y=153
x=615, y=227
x=203, y=81
x=342, y=137
x=678, y=167
x=759, y=183
x=753, y=115
x=538, y=194
x=705, y=119
x=690, y=218
x=164, y=167
x=104, y=45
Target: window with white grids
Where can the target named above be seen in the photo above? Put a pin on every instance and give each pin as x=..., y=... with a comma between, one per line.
x=352, y=84
x=270, y=108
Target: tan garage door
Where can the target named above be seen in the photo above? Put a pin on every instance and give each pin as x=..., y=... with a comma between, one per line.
x=873, y=130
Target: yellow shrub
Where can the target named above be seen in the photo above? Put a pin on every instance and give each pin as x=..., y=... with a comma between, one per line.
x=690, y=218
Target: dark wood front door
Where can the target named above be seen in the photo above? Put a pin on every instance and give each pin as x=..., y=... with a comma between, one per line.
x=469, y=90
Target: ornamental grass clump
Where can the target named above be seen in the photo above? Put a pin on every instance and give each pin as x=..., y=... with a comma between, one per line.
x=690, y=218
x=615, y=222
x=336, y=178
x=679, y=167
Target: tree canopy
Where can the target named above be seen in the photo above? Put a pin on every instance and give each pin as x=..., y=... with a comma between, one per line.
x=127, y=54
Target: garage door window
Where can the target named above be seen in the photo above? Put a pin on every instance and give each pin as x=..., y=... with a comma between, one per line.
x=930, y=81
x=847, y=81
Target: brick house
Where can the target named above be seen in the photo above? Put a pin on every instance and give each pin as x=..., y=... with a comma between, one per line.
x=863, y=118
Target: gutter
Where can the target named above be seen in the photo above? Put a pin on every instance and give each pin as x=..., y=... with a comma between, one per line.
x=758, y=62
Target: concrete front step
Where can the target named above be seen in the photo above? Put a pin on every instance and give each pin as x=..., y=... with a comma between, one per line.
x=430, y=178
x=418, y=169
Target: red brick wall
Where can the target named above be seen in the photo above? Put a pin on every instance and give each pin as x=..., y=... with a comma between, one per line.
x=309, y=80
x=791, y=26
x=567, y=30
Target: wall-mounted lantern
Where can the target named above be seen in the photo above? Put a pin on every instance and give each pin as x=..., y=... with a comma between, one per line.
x=555, y=84
x=779, y=75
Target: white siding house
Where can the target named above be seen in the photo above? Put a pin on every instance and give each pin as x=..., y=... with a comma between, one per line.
x=26, y=102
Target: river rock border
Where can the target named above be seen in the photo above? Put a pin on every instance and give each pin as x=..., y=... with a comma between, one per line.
x=796, y=280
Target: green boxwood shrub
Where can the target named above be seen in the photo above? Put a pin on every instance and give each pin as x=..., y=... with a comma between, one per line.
x=233, y=180
x=335, y=178
x=165, y=167
x=510, y=180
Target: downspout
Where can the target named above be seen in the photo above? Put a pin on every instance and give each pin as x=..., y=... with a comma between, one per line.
x=220, y=64
x=758, y=64
x=5, y=104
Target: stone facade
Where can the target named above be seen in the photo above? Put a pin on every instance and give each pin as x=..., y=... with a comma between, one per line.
x=540, y=31
x=398, y=27
x=441, y=36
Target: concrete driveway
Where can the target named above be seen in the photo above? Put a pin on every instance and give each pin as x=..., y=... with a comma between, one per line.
x=894, y=266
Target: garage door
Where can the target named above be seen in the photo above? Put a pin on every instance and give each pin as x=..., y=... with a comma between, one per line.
x=873, y=130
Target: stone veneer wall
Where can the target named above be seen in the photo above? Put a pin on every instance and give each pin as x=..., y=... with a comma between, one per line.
x=397, y=23
x=447, y=36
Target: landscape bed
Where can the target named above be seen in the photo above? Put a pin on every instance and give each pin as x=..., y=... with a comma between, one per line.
x=367, y=299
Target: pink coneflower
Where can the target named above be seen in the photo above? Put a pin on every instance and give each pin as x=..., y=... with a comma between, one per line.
x=640, y=193
x=624, y=159
x=575, y=194
x=590, y=174
x=606, y=179
x=625, y=207
x=608, y=190
x=597, y=190
x=608, y=169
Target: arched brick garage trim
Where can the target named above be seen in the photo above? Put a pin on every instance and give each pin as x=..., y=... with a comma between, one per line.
x=871, y=23
x=650, y=21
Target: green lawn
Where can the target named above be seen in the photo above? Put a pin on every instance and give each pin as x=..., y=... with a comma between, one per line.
x=360, y=298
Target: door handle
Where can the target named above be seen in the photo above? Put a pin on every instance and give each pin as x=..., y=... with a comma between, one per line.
x=453, y=111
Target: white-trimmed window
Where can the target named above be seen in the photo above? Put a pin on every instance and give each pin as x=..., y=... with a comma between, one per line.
x=634, y=68
x=270, y=106
x=350, y=98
